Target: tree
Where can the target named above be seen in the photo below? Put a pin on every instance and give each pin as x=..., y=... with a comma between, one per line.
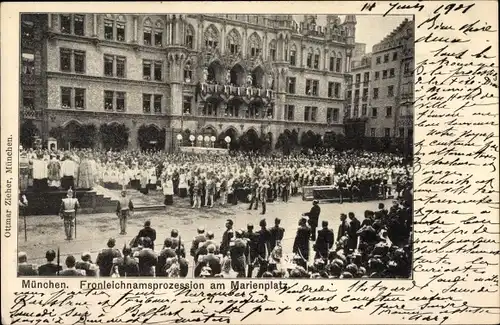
x=88, y=136
x=284, y=143
x=27, y=133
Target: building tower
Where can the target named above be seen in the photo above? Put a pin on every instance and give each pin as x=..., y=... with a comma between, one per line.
x=176, y=59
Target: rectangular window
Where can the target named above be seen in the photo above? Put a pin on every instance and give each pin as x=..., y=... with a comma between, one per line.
x=120, y=67
x=146, y=70
x=377, y=75
x=186, y=105
x=365, y=94
x=291, y=85
x=65, y=24
x=315, y=87
x=146, y=103
x=307, y=112
x=387, y=132
x=349, y=94
x=388, y=111
x=108, y=65
x=120, y=32
x=158, y=38
x=308, y=90
x=108, y=100
x=374, y=112
x=79, y=98
x=336, y=92
x=79, y=25
x=372, y=132
x=120, y=101
x=394, y=56
x=289, y=112
x=378, y=60
x=158, y=71
x=364, y=109
x=314, y=112
x=391, y=73
x=401, y=132
x=336, y=114
x=366, y=77
x=386, y=58
x=384, y=74
x=27, y=29
x=79, y=62
x=66, y=97
x=407, y=67
x=65, y=57
x=157, y=103
x=332, y=64
x=356, y=95
x=338, y=66
x=309, y=60
x=390, y=91
x=293, y=55
x=28, y=100
x=330, y=89
x=316, y=61
x=356, y=110
x=147, y=35
x=358, y=78
x=375, y=93
x=108, y=30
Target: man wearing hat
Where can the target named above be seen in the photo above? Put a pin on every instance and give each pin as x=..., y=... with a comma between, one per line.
x=324, y=242
x=123, y=208
x=67, y=212
x=227, y=237
x=313, y=216
x=301, y=242
x=197, y=240
x=237, y=253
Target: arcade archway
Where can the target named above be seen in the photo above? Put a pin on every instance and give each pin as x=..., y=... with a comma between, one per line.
x=258, y=77
x=151, y=137
x=250, y=141
x=238, y=75
x=216, y=73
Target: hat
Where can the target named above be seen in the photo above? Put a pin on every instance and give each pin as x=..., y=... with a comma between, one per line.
x=315, y=201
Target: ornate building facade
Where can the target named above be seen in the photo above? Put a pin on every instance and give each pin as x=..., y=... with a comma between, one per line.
x=158, y=76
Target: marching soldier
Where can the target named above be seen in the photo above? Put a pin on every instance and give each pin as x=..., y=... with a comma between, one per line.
x=68, y=213
x=123, y=208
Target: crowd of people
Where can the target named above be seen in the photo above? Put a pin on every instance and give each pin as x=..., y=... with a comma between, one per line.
x=378, y=246
x=353, y=175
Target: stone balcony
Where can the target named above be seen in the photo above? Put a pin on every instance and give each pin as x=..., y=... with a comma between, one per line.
x=30, y=114
x=228, y=91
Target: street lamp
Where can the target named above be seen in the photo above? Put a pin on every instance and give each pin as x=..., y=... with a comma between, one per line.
x=179, y=138
x=207, y=140
x=212, y=139
x=192, y=138
x=228, y=141
x=200, y=140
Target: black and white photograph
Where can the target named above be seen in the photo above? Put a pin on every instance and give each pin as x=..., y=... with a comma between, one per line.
x=216, y=145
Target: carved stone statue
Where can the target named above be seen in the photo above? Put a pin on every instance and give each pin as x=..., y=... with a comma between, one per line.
x=249, y=79
x=270, y=81
x=205, y=74
x=228, y=76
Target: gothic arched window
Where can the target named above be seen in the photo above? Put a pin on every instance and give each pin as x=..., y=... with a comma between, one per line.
x=158, y=31
x=211, y=37
x=254, y=45
x=234, y=41
x=148, y=32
